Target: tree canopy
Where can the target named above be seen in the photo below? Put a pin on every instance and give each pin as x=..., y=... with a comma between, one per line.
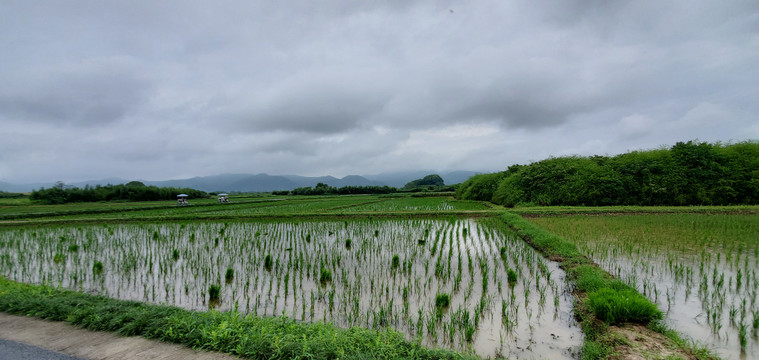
x=324, y=189
x=688, y=173
x=433, y=180
x=133, y=191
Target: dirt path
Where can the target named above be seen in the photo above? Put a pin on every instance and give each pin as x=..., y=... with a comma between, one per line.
x=86, y=344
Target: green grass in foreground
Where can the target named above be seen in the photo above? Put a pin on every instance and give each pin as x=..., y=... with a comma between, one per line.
x=246, y=336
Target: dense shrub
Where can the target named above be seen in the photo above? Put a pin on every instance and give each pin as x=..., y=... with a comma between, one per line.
x=689, y=173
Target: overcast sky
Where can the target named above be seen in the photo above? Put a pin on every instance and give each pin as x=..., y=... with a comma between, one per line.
x=159, y=90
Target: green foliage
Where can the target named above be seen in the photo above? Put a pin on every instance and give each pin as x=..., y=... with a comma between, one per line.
x=133, y=191
x=229, y=275
x=592, y=350
x=10, y=195
x=689, y=173
x=73, y=248
x=97, y=267
x=267, y=262
x=324, y=189
x=230, y=332
x=442, y=300
x=214, y=291
x=348, y=243
x=175, y=254
x=325, y=275
x=511, y=276
x=590, y=278
x=620, y=306
x=480, y=187
x=395, y=262
x=428, y=182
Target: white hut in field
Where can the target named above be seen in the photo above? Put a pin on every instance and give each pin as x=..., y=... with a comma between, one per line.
x=223, y=198
x=182, y=199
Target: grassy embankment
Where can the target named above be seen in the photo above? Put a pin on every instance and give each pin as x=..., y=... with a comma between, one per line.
x=230, y=332
x=602, y=300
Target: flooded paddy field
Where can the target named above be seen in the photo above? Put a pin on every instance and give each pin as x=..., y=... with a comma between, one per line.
x=457, y=284
x=701, y=269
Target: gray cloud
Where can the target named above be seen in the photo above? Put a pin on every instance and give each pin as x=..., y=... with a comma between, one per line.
x=158, y=90
x=94, y=92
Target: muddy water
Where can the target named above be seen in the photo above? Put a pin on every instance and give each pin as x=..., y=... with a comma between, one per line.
x=176, y=263
x=705, y=303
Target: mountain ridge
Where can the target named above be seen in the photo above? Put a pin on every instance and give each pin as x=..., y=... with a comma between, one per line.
x=261, y=182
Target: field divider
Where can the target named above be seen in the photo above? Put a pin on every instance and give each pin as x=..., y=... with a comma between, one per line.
x=354, y=205
x=615, y=317
x=255, y=217
x=228, y=332
x=19, y=216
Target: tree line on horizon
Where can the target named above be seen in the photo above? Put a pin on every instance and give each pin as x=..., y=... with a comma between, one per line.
x=429, y=183
x=688, y=173
x=60, y=193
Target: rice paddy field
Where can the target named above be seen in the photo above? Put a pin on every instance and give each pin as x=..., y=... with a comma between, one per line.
x=450, y=281
x=701, y=269
x=446, y=273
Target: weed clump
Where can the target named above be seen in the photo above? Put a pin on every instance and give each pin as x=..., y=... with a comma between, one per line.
x=348, y=244
x=267, y=262
x=97, y=267
x=325, y=275
x=73, y=248
x=175, y=254
x=395, y=262
x=442, y=300
x=619, y=306
x=230, y=275
x=511, y=276
x=213, y=292
x=58, y=258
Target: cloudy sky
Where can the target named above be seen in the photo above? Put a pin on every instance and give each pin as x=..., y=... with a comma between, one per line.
x=168, y=89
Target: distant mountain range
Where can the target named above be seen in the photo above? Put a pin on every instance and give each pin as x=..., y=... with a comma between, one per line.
x=263, y=182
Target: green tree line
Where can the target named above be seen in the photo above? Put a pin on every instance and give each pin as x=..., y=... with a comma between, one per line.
x=688, y=173
x=133, y=191
x=324, y=189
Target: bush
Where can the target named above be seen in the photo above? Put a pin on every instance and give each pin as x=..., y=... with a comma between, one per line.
x=618, y=306
x=442, y=300
x=688, y=173
x=213, y=292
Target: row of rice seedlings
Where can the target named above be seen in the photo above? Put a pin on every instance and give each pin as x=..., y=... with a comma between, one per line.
x=360, y=273
x=701, y=269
